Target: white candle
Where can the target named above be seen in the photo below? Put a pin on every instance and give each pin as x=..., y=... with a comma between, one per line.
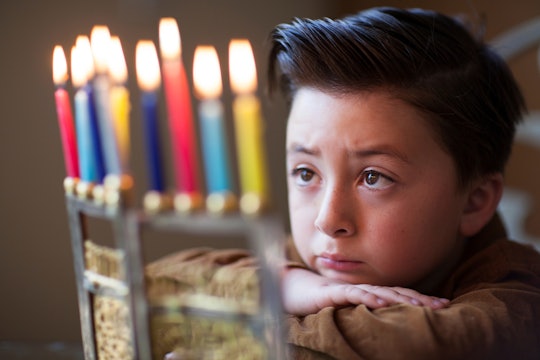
x=100, y=40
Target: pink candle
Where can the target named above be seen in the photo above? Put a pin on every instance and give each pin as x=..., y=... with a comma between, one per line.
x=65, y=116
x=178, y=100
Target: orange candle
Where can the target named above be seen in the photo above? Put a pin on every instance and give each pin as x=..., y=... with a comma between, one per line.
x=178, y=100
x=65, y=116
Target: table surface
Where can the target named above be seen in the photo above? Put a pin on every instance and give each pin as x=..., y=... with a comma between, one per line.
x=21, y=350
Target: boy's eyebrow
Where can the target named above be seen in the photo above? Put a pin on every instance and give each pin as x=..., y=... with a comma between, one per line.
x=380, y=150
x=297, y=148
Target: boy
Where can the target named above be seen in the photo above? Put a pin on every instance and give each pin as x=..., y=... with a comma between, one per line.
x=400, y=126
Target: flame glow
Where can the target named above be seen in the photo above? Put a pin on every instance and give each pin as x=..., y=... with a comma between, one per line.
x=117, y=62
x=60, y=73
x=207, y=73
x=85, y=52
x=147, y=65
x=169, y=38
x=78, y=74
x=242, y=70
x=100, y=39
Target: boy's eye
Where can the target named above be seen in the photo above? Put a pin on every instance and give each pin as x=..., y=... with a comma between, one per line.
x=303, y=175
x=375, y=180
x=372, y=177
x=306, y=175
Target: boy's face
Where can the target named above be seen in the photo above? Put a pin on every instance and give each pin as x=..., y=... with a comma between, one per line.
x=373, y=198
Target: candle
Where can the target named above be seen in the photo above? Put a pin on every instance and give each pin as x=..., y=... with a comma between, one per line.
x=120, y=101
x=87, y=167
x=248, y=126
x=178, y=102
x=208, y=86
x=65, y=116
x=87, y=65
x=148, y=77
x=100, y=40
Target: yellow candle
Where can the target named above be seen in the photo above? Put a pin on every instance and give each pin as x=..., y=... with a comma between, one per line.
x=248, y=120
x=248, y=126
x=120, y=104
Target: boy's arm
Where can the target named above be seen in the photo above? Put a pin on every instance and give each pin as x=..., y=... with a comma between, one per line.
x=494, y=323
x=494, y=313
x=305, y=292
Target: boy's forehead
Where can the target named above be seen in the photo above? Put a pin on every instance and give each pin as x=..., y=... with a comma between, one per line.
x=312, y=108
x=361, y=123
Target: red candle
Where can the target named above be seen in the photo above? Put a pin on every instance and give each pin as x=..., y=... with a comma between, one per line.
x=65, y=116
x=178, y=100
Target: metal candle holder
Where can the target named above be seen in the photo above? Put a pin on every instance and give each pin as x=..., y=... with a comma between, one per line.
x=112, y=202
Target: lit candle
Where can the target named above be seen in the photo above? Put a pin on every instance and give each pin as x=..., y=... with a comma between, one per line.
x=178, y=100
x=120, y=101
x=87, y=64
x=100, y=40
x=248, y=126
x=65, y=116
x=82, y=118
x=149, y=80
x=208, y=87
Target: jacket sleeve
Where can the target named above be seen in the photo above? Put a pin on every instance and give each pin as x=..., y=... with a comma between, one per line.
x=489, y=322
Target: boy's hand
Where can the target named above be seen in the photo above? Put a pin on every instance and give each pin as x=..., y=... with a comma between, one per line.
x=305, y=292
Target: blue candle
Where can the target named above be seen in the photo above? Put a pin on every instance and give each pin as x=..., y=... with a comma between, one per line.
x=91, y=156
x=208, y=86
x=214, y=146
x=82, y=116
x=149, y=80
x=96, y=148
x=84, y=140
x=149, y=103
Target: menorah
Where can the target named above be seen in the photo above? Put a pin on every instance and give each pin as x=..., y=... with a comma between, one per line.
x=112, y=283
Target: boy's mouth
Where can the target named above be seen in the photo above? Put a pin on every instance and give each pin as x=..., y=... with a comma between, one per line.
x=338, y=263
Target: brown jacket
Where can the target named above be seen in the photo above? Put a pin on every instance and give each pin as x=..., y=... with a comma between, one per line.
x=494, y=313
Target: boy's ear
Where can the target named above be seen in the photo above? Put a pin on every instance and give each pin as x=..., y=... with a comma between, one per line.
x=481, y=204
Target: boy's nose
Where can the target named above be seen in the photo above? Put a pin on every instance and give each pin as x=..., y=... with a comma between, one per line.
x=336, y=213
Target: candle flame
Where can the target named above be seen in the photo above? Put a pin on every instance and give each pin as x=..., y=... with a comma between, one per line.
x=147, y=66
x=78, y=73
x=60, y=73
x=206, y=72
x=100, y=39
x=243, y=73
x=169, y=39
x=85, y=55
x=117, y=62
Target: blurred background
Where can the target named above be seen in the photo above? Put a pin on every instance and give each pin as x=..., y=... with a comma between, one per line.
x=38, y=301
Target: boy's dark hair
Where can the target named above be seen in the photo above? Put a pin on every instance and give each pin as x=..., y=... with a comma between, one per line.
x=425, y=58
